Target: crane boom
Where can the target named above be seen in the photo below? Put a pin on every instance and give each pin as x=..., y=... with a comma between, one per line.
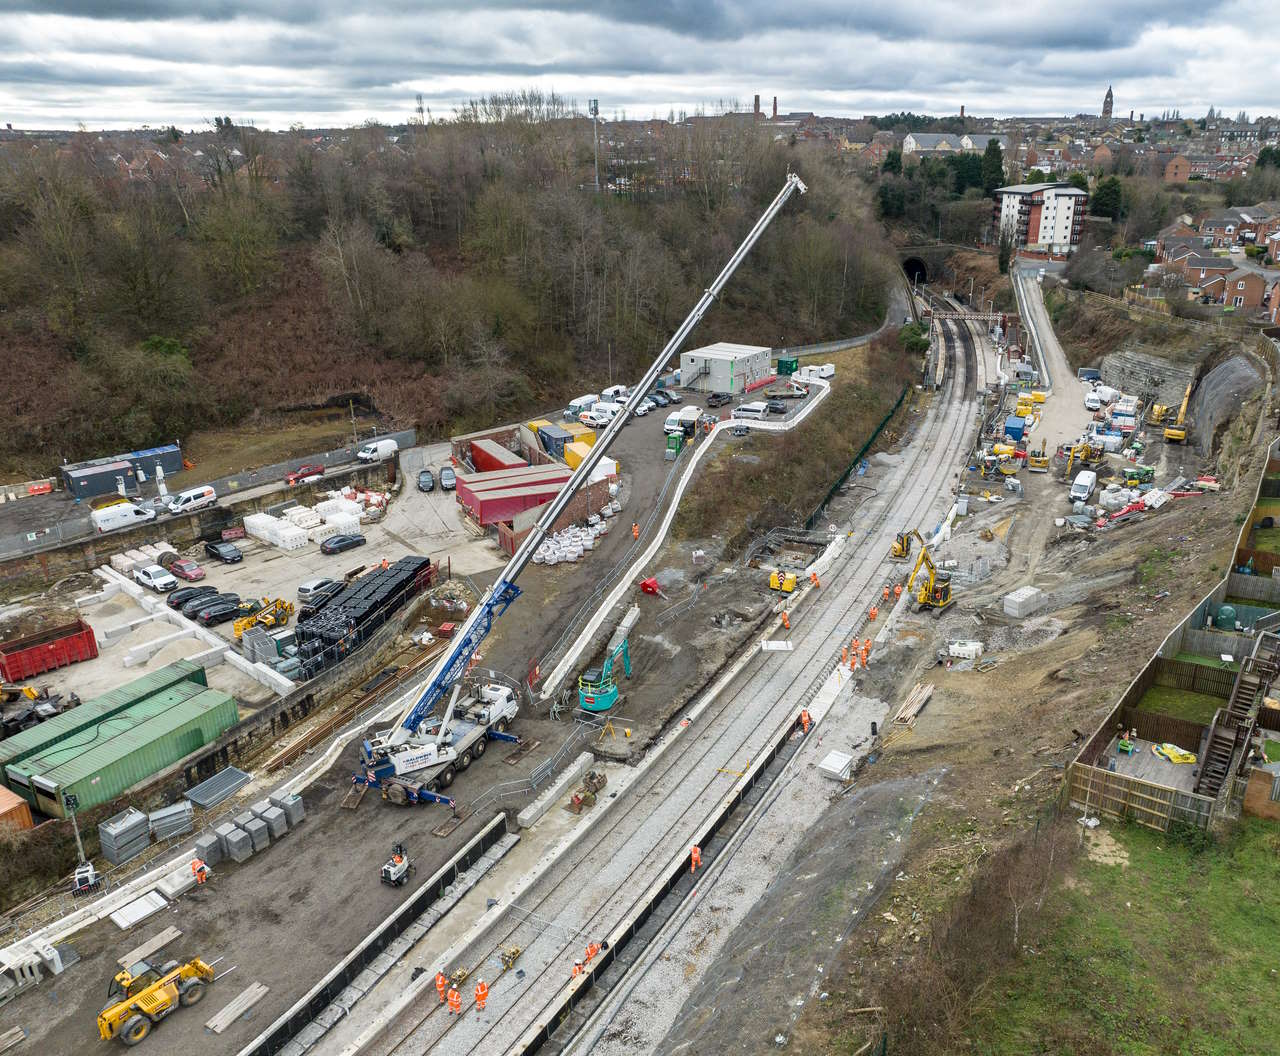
x=453, y=665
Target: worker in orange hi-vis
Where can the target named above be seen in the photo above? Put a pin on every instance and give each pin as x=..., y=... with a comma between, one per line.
x=786, y=621
x=866, y=645
x=897, y=591
x=695, y=859
x=635, y=530
x=385, y=564
x=199, y=870
x=873, y=613
x=844, y=655
x=455, y=1001
x=592, y=949
x=482, y=994
x=886, y=593
x=442, y=984
x=853, y=662
x=577, y=968
x=813, y=578
x=805, y=721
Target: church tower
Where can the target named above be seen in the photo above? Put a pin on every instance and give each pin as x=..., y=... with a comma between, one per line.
x=1106, y=105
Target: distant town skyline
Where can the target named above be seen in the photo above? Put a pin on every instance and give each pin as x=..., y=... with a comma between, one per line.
x=110, y=64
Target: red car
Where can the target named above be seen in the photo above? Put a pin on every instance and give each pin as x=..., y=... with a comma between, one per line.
x=303, y=473
x=185, y=568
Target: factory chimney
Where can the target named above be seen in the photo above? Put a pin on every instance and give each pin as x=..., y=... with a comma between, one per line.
x=962, y=111
x=757, y=108
x=775, y=108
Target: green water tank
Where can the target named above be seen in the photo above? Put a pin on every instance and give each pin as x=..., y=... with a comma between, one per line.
x=1226, y=618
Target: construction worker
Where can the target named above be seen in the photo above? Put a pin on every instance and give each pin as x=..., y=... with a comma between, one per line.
x=199, y=870
x=385, y=564
x=786, y=620
x=805, y=721
x=695, y=858
x=577, y=968
x=592, y=949
x=442, y=984
x=455, y=1001
x=482, y=995
x=886, y=593
x=635, y=530
x=897, y=591
x=813, y=578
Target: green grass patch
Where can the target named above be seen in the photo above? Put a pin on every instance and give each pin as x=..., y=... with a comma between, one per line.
x=1172, y=953
x=1266, y=539
x=1181, y=703
x=1156, y=565
x=1271, y=749
x=1208, y=661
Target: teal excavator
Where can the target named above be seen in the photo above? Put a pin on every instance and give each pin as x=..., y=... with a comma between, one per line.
x=597, y=688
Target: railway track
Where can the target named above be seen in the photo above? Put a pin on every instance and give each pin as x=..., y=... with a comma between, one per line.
x=594, y=885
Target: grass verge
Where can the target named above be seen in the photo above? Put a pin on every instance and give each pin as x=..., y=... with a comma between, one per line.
x=1173, y=952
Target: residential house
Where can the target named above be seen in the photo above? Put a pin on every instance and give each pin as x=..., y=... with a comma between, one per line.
x=1199, y=270
x=1177, y=169
x=1240, y=289
x=1103, y=157
x=931, y=143
x=977, y=143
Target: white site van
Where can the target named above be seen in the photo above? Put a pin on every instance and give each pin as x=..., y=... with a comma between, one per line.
x=756, y=410
x=1082, y=488
x=608, y=409
x=193, y=499
x=614, y=393
x=677, y=420
x=377, y=450
x=581, y=404
x=120, y=515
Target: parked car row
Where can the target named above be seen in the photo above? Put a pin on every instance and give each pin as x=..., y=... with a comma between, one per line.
x=427, y=480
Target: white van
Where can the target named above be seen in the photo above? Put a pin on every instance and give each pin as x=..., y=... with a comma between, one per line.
x=193, y=499
x=120, y=515
x=1092, y=402
x=614, y=393
x=377, y=450
x=1086, y=480
x=581, y=404
x=594, y=418
x=756, y=410
x=609, y=409
x=672, y=424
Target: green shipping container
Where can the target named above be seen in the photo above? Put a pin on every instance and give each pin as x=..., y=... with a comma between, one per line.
x=788, y=366
x=90, y=712
x=125, y=749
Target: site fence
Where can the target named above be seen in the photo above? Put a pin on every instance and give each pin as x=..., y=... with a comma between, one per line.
x=840, y=481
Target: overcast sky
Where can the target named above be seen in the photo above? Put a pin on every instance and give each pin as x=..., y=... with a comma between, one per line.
x=120, y=63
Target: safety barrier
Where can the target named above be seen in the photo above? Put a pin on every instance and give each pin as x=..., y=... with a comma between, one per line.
x=677, y=871
x=319, y=997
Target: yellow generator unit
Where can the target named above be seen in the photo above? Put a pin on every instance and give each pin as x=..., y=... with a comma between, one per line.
x=783, y=581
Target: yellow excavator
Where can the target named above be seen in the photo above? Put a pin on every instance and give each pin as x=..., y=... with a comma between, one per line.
x=901, y=548
x=1176, y=433
x=1089, y=454
x=142, y=995
x=272, y=614
x=935, y=589
x=1038, y=461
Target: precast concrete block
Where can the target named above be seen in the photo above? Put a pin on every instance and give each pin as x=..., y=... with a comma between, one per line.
x=259, y=835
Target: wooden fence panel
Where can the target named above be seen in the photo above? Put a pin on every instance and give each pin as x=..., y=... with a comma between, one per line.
x=1121, y=796
x=1255, y=588
x=1152, y=726
x=1269, y=719
x=1181, y=674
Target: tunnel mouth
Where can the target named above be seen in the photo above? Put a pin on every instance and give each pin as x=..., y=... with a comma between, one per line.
x=916, y=269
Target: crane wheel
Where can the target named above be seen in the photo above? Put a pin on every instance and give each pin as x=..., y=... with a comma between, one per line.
x=396, y=794
x=192, y=993
x=446, y=779
x=465, y=761
x=479, y=747
x=135, y=1029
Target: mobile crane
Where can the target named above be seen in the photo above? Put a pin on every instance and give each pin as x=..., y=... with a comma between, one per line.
x=398, y=750
x=1176, y=432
